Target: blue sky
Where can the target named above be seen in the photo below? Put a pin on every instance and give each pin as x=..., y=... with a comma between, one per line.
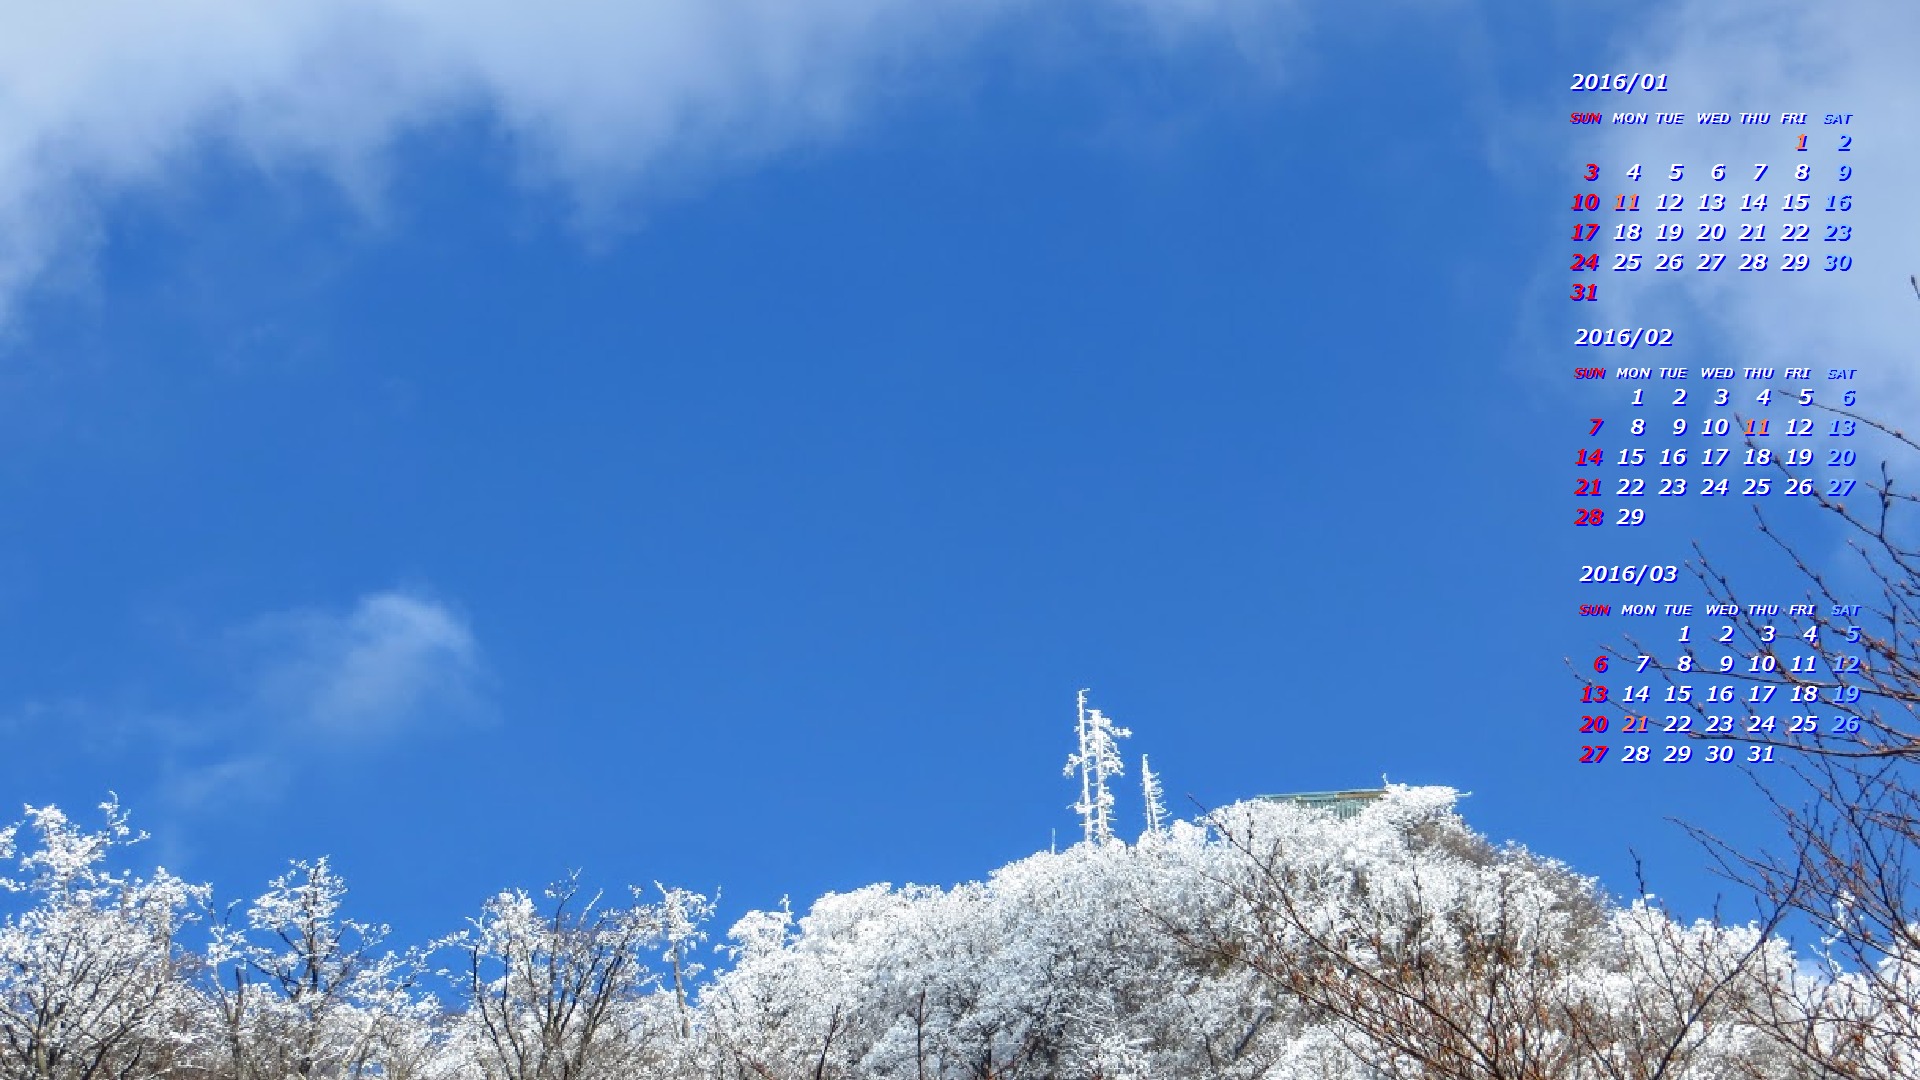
x=476, y=449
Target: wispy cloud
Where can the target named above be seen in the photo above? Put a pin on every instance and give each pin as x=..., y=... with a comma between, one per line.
x=1777, y=56
x=392, y=663
x=290, y=691
x=98, y=97
x=306, y=687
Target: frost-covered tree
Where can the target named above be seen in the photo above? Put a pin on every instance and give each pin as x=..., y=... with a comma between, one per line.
x=1850, y=871
x=683, y=918
x=298, y=990
x=560, y=994
x=89, y=969
x=1097, y=760
x=1846, y=784
x=1439, y=956
x=1166, y=959
x=1152, y=799
x=1265, y=940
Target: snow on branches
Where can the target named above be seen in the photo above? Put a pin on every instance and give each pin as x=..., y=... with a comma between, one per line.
x=1152, y=799
x=1266, y=939
x=90, y=973
x=1097, y=760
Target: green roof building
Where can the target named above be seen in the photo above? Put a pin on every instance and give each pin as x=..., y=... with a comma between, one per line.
x=1343, y=804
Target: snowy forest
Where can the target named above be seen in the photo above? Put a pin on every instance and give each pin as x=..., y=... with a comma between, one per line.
x=1264, y=939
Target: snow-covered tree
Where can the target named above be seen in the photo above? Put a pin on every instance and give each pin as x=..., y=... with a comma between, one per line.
x=560, y=994
x=1265, y=940
x=1152, y=799
x=1425, y=950
x=1849, y=809
x=89, y=970
x=683, y=918
x=1441, y=956
x=1097, y=760
x=300, y=991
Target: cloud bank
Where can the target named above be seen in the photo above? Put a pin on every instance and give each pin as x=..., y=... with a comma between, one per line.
x=102, y=97
x=1775, y=56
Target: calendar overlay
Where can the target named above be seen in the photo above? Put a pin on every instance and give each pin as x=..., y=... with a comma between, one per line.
x=1661, y=433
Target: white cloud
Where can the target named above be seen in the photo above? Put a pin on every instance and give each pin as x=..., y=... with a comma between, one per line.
x=98, y=97
x=1776, y=56
x=289, y=692
x=253, y=778
x=305, y=687
x=393, y=663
